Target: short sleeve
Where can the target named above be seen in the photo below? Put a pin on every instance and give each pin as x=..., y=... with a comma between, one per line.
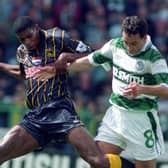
x=102, y=55
x=75, y=46
x=160, y=71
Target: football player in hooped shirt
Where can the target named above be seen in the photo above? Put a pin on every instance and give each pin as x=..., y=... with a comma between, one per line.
x=52, y=115
x=140, y=76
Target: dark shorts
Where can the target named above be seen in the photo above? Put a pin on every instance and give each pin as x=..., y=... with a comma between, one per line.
x=52, y=121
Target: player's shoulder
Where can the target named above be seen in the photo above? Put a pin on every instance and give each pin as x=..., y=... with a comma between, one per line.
x=114, y=43
x=56, y=32
x=153, y=54
x=118, y=42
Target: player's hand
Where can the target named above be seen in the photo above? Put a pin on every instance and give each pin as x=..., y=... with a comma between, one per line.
x=44, y=73
x=48, y=71
x=132, y=90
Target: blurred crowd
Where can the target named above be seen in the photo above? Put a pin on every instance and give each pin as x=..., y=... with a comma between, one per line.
x=94, y=22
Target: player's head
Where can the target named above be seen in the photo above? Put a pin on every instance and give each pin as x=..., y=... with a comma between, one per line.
x=27, y=31
x=134, y=33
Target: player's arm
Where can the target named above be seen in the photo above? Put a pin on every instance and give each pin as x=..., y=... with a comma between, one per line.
x=67, y=63
x=80, y=64
x=79, y=61
x=12, y=70
x=70, y=62
x=98, y=57
x=133, y=90
x=69, y=57
x=156, y=90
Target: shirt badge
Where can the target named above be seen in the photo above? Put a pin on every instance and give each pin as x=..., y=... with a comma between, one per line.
x=140, y=66
x=36, y=61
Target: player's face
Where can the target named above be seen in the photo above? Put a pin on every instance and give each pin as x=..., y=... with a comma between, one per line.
x=29, y=37
x=133, y=43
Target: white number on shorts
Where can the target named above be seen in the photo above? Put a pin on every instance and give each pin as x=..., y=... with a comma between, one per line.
x=149, y=138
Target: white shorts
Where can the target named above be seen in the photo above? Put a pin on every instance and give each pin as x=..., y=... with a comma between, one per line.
x=138, y=132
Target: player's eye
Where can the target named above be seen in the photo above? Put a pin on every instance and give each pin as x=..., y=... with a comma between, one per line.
x=133, y=44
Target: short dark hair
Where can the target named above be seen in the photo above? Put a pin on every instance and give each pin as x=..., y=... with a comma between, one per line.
x=135, y=25
x=22, y=23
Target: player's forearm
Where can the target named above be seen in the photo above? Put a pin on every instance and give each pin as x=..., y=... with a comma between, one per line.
x=12, y=70
x=155, y=90
x=70, y=57
x=81, y=64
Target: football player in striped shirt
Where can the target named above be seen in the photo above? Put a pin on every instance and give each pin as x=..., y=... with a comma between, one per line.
x=139, y=78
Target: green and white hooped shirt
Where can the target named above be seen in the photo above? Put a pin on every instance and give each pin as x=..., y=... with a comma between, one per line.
x=146, y=67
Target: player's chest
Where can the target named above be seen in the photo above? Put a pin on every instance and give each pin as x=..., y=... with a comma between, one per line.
x=130, y=63
x=38, y=57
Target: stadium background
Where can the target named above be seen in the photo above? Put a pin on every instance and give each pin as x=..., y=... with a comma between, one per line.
x=95, y=22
